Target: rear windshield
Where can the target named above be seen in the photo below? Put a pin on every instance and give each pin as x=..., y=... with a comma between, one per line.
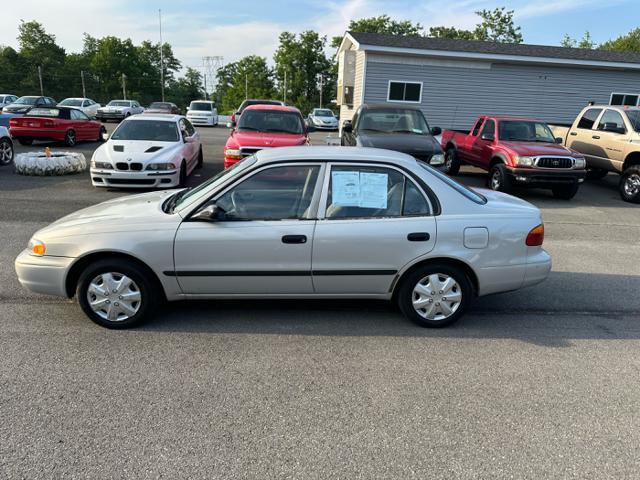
x=248, y=103
x=43, y=112
x=463, y=189
x=160, y=106
x=118, y=103
x=27, y=100
x=634, y=118
x=202, y=106
x=71, y=102
x=271, y=121
x=150, y=130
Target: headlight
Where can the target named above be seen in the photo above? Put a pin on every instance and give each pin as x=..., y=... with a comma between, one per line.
x=161, y=166
x=232, y=153
x=525, y=161
x=437, y=159
x=579, y=162
x=36, y=247
x=103, y=165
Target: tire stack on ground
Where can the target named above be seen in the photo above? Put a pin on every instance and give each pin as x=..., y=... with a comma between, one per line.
x=58, y=163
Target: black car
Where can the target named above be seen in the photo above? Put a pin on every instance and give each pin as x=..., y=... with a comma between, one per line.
x=23, y=104
x=400, y=128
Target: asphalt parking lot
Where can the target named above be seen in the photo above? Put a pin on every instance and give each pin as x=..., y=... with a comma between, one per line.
x=540, y=383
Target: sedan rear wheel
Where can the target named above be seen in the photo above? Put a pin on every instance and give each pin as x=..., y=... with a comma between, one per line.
x=116, y=294
x=6, y=151
x=435, y=295
x=70, y=138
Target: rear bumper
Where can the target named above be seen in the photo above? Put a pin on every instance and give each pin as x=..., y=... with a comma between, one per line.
x=538, y=268
x=547, y=178
x=45, y=274
x=143, y=179
x=37, y=134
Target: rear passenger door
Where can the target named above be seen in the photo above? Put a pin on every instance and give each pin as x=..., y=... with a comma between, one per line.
x=373, y=220
x=583, y=139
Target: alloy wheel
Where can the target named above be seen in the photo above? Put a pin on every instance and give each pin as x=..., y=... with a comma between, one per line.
x=632, y=185
x=71, y=138
x=436, y=297
x=6, y=152
x=496, y=180
x=114, y=297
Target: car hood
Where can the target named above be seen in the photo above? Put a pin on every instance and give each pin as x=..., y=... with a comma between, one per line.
x=119, y=214
x=136, y=150
x=532, y=149
x=409, y=143
x=267, y=139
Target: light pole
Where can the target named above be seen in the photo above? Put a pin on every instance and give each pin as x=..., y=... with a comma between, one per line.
x=161, y=56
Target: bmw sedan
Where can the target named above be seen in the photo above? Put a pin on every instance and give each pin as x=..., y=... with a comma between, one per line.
x=148, y=151
x=295, y=222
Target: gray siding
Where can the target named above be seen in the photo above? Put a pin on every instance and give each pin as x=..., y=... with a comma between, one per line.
x=453, y=96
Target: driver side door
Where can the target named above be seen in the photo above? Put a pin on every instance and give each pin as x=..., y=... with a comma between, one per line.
x=261, y=245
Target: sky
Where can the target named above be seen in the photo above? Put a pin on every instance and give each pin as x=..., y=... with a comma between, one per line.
x=197, y=28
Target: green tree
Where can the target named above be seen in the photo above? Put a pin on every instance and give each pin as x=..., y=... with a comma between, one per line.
x=625, y=43
x=39, y=49
x=249, y=77
x=382, y=24
x=185, y=89
x=585, y=42
x=496, y=25
x=303, y=59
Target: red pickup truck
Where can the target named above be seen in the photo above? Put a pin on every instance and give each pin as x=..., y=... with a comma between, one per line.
x=516, y=152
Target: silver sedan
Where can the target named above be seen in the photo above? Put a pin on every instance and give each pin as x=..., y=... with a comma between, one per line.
x=298, y=222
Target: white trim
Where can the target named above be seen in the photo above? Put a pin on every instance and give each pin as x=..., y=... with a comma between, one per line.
x=405, y=82
x=346, y=37
x=364, y=77
x=637, y=95
x=500, y=57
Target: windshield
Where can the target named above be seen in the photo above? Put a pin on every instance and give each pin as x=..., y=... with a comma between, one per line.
x=271, y=121
x=202, y=106
x=71, y=102
x=160, y=106
x=634, y=119
x=27, y=100
x=323, y=113
x=463, y=189
x=150, y=130
x=394, y=120
x=184, y=197
x=525, y=131
x=118, y=103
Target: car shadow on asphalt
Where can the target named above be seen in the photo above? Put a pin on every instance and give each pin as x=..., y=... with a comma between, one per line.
x=544, y=315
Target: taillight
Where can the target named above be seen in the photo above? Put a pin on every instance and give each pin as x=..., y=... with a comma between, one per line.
x=535, y=236
x=48, y=123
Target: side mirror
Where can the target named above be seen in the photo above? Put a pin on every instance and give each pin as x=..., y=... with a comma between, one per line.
x=487, y=136
x=347, y=126
x=210, y=213
x=559, y=140
x=436, y=131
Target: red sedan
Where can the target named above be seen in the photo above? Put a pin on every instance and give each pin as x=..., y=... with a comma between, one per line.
x=62, y=124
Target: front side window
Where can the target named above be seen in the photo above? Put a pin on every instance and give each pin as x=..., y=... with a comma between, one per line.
x=394, y=120
x=405, y=92
x=476, y=127
x=190, y=129
x=278, y=193
x=611, y=117
x=370, y=192
x=589, y=118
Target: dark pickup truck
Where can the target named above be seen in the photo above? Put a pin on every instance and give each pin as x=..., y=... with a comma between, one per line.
x=515, y=152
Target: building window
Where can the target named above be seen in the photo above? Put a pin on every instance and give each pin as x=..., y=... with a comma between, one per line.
x=630, y=99
x=405, y=92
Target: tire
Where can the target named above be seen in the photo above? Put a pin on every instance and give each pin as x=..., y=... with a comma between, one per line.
x=70, y=139
x=101, y=134
x=427, y=276
x=596, y=173
x=451, y=162
x=565, y=192
x=25, y=141
x=183, y=174
x=6, y=151
x=108, y=308
x=499, y=179
x=200, y=163
x=629, y=186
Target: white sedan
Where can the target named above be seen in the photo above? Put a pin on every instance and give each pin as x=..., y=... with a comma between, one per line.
x=148, y=151
x=86, y=105
x=294, y=222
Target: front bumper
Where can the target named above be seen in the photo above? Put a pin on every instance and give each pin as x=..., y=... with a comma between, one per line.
x=546, y=178
x=142, y=179
x=210, y=121
x=325, y=127
x=45, y=274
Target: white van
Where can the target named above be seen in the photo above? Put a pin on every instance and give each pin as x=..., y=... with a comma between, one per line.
x=203, y=112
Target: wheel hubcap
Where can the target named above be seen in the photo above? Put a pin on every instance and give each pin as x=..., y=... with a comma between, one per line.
x=71, y=138
x=495, y=180
x=114, y=296
x=632, y=185
x=436, y=297
x=6, y=152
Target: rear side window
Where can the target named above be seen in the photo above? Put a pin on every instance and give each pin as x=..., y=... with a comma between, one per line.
x=589, y=118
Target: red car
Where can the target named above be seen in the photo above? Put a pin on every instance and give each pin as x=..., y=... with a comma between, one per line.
x=516, y=152
x=265, y=126
x=68, y=125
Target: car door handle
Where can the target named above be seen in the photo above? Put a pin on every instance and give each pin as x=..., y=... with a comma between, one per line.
x=573, y=134
x=418, y=237
x=294, y=239
x=596, y=137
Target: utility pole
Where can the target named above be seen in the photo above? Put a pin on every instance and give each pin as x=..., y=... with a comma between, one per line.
x=84, y=90
x=246, y=86
x=40, y=77
x=161, y=56
x=321, y=85
x=124, y=87
x=210, y=66
x=284, y=93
